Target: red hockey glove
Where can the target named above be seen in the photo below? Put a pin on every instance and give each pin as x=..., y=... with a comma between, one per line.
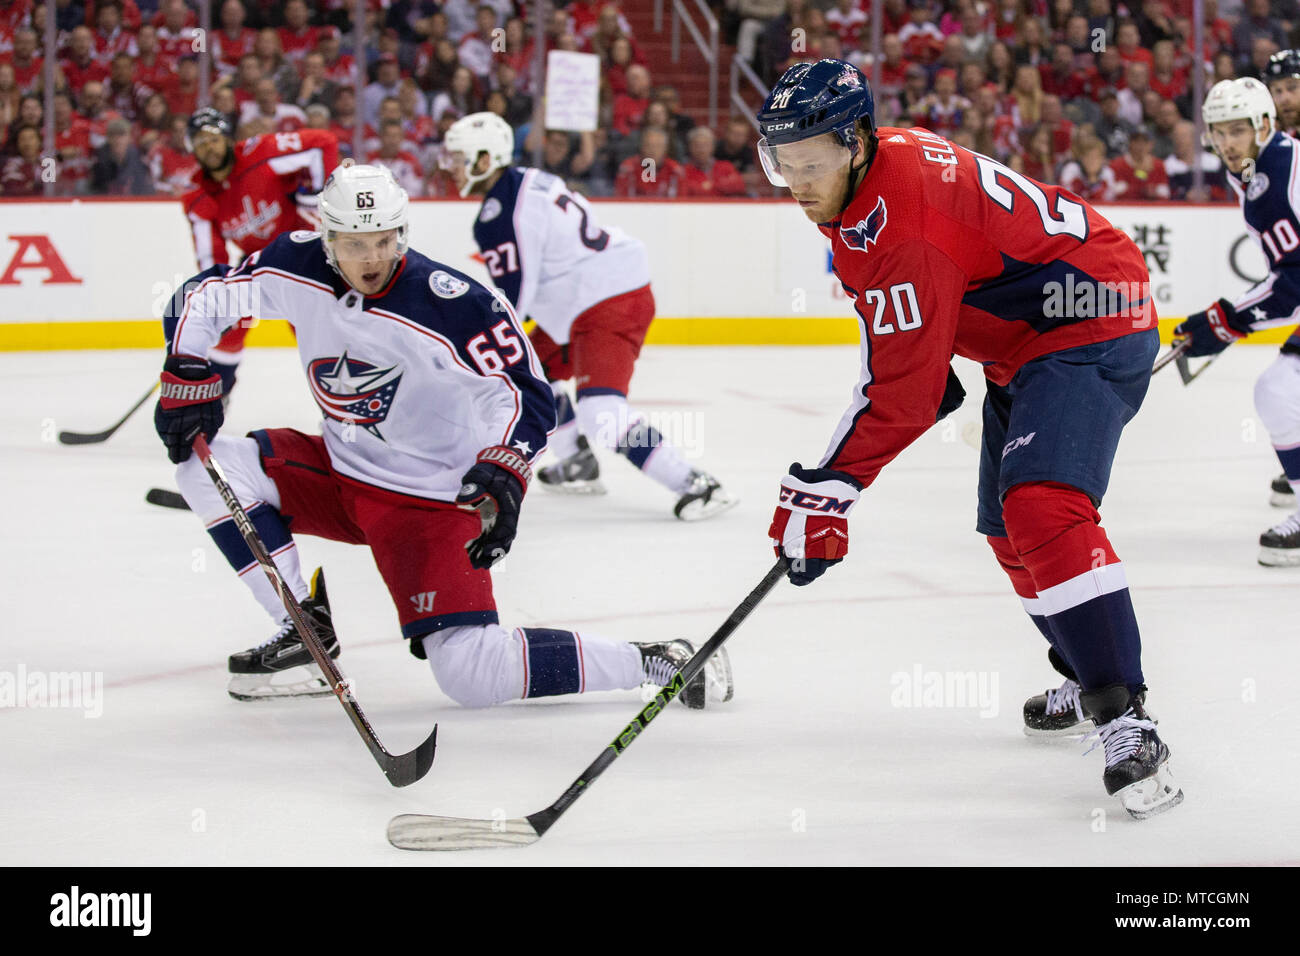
x=811, y=525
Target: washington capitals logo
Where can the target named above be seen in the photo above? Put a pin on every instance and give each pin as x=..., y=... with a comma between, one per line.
x=868, y=230
x=350, y=390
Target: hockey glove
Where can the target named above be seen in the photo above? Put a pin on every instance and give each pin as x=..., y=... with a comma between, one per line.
x=190, y=404
x=1211, y=331
x=811, y=525
x=495, y=488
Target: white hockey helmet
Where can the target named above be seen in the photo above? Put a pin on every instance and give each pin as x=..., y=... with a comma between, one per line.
x=360, y=198
x=1245, y=98
x=474, y=134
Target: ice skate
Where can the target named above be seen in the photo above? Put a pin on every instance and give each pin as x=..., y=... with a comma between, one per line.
x=703, y=498
x=579, y=474
x=1056, y=713
x=1137, y=760
x=1282, y=494
x=282, y=666
x=661, y=661
x=1279, y=546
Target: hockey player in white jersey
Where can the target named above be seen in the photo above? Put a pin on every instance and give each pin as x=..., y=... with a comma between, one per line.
x=433, y=409
x=588, y=290
x=1263, y=165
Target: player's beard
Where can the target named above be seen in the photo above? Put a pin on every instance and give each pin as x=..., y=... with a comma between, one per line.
x=227, y=161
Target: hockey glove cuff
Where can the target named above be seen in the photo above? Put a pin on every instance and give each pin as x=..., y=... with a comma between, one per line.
x=190, y=404
x=495, y=488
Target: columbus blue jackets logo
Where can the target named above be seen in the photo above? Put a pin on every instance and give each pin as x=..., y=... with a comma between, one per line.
x=1258, y=186
x=447, y=286
x=868, y=230
x=350, y=390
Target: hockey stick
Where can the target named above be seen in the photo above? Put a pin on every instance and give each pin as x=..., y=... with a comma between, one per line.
x=1184, y=367
x=94, y=438
x=165, y=499
x=414, y=831
x=400, y=770
x=1174, y=354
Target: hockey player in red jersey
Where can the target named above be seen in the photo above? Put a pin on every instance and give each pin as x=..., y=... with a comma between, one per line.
x=946, y=252
x=248, y=193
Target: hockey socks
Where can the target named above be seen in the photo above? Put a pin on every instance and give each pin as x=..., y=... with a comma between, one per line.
x=564, y=440
x=275, y=535
x=608, y=421
x=1079, y=584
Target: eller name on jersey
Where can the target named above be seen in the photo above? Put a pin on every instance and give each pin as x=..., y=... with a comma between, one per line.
x=413, y=382
x=545, y=250
x=947, y=252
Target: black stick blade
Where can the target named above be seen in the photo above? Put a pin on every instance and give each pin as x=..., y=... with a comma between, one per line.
x=404, y=770
x=85, y=438
x=166, y=499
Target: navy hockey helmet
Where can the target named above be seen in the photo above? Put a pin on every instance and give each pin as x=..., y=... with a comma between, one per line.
x=209, y=117
x=808, y=101
x=1281, y=65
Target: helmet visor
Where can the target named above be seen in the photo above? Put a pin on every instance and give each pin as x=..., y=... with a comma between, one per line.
x=804, y=162
x=363, y=247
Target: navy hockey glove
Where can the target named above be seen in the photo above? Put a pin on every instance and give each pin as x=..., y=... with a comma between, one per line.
x=811, y=525
x=495, y=488
x=190, y=404
x=1211, y=331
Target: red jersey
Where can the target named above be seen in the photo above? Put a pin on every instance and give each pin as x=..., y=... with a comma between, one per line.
x=155, y=75
x=173, y=170
x=79, y=74
x=297, y=45
x=945, y=252
x=76, y=155
x=1141, y=185
x=256, y=202
x=636, y=179
x=228, y=50
x=26, y=77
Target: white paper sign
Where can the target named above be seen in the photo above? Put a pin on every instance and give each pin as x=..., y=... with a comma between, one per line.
x=572, y=90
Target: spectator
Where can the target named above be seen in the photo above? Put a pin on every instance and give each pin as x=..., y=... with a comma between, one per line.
x=1001, y=67
x=182, y=93
x=223, y=100
x=1025, y=103
x=568, y=155
x=1130, y=95
x=893, y=68
x=703, y=176
x=1089, y=177
x=315, y=87
x=1101, y=21
x=176, y=31
x=518, y=54
x=297, y=37
x=1261, y=51
x=20, y=174
x=1166, y=121
x=461, y=99
x=475, y=51
x=393, y=155
x=10, y=95
x=630, y=107
x=941, y=111
x=441, y=66
x=153, y=123
x=345, y=118
x=93, y=108
x=650, y=172
x=460, y=18
x=976, y=36
x=519, y=105
x=755, y=15
x=921, y=39
x=1052, y=116
x=339, y=67
x=1167, y=78
x=847, y=18
x=80, y=65
x=151, y=68
x=1255, y=23
x=171, y=165
x=1080, y=38
x=1112, y=129
x=737, y=145
x=1039, y=156
x=657, y=117
x=971, y=78
x=110, y=38
x=1187, y=155
x=1129, y=43
x=233, y=40
x=678, y=122
x=270, y=57
x=388, y=79
x=119, y=169
x=26, y=64
x=1061, y=77
x=435, y=32
x=1154, y=22
x=122, y=91
x=615, y=71
x=1032, y=47
x=610, y=26
x=1139, y=173
x=266, y=114
x=72, y=146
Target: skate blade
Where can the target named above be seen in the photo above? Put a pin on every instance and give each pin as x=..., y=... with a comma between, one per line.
x=1279, y=500
x=701, y=510
x=295, y=682
x=718, y=683
x=1279, y=558
x=1151, y=796
x=593, y=487
x=1066, y=733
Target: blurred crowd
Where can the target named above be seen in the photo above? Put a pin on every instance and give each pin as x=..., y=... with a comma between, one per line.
x=1093, y=94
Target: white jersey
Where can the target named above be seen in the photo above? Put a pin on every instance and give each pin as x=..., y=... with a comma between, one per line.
x=413, y=382
x=546, y=252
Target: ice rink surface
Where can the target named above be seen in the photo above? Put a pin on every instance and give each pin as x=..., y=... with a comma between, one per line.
x=817, y=760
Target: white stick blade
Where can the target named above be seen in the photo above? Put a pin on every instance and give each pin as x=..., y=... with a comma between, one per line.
x=416, y=831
